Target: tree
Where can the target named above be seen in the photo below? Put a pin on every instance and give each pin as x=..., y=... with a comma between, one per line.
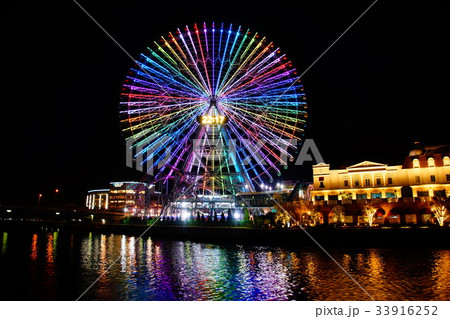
x=440, y=212
x=346, y=198
x=338, y=214
x=282, y=216
x=369, y=212
x=315, y=216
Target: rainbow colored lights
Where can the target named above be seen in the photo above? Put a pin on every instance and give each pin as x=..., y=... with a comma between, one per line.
x=218, y=73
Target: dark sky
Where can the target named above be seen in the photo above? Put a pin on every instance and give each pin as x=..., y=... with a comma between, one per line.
x=381, y=87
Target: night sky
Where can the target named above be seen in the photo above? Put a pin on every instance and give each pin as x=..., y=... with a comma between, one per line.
x=381, y=87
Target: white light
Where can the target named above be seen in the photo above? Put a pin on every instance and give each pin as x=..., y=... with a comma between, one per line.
x=184, y=215
x=237, y=216
x=57, y=213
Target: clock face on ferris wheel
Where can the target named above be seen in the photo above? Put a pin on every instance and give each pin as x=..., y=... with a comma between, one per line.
x=215, y=75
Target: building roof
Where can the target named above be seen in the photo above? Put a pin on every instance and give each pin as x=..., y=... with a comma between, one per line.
x=423, y=153
x=367, y=164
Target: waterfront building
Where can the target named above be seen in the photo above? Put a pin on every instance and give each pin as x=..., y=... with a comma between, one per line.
x=400, y=194
x=423, y=176
x=128, y=197
x=135, y=198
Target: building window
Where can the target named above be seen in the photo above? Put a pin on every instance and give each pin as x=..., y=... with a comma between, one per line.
x=440, y=193
x=357, y=183
x=417, y=179
x=361, y=196
x=378, y=181
x=367, y=182
x=390, y=195
x=416, y=163
x=433, y=178
x=319, y=198
x=431, y=162
x=389, y=181
x=375, y=195
x=321, y=184
x=447, y=177
x=346, y=182
x=446, y=161
x=422, y=193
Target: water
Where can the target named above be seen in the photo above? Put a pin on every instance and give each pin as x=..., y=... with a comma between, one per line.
x=61, y=265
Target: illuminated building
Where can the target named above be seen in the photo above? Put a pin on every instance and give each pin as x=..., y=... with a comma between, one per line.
x=424, y=175
x=128, y=197
x=136, y=198
x=98, y=199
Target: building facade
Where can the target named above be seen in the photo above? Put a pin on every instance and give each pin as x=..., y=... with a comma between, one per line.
x=422, y=177
x=98, y=199
x=125, y=197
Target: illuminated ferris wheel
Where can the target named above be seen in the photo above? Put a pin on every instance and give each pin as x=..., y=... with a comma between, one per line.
x=218, y=109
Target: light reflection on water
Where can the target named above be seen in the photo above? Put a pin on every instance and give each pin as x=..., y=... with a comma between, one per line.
x=61, y=265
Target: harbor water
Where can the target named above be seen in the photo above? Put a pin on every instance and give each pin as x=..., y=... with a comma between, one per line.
x=66, y=265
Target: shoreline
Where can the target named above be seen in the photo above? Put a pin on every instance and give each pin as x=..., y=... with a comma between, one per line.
x=407, y=237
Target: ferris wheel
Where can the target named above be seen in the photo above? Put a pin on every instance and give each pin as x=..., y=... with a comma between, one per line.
x=213, y=106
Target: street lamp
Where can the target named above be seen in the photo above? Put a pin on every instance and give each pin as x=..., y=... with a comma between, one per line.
x=39, y=200
x=56, y=196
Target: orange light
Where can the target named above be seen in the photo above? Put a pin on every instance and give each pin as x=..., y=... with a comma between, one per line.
x=56, y=190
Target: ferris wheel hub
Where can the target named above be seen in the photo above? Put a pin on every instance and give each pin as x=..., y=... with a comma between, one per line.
x=212, y=100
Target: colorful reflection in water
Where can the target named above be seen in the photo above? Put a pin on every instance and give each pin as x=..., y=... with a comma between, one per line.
x=48, y=265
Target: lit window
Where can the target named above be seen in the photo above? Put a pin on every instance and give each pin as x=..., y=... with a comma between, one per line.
x=446, y=161
x=431, y=162
x=416, y=163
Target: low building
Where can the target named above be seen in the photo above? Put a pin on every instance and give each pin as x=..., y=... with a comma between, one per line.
x=125, y=197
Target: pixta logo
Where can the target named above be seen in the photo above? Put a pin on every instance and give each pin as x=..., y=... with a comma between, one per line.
x=162, y=151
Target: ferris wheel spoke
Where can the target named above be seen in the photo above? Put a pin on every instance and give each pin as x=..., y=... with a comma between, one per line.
x=257, y=154
x=265, y=121
x=193, y=61
x=168, y=86
x=183, y=60
x=244, y=65
x=256, y=140
x=249, y=79
x=172, y=70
